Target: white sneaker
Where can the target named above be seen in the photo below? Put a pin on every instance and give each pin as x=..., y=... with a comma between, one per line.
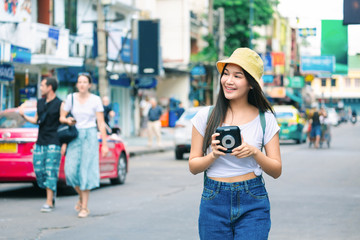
x=46, y=208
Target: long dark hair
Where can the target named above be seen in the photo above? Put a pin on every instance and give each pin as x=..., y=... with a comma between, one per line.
x=256, y=98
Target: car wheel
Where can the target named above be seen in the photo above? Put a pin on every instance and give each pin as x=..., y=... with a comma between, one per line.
x=179, y=154
x=121, y=171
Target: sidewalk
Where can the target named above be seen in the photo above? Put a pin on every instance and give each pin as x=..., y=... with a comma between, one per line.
x=138, y=145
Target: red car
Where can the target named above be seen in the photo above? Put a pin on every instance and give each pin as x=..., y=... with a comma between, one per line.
x=17, y=138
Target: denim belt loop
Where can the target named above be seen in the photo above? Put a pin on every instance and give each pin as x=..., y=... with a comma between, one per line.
x=246, y=186
x=262, y=179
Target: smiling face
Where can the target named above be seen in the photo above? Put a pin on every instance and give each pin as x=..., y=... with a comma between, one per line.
x=83, y=84
x=234, y=83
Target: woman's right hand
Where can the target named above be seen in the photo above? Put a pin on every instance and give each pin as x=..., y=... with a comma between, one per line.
x=216, y=147
x=70, y=121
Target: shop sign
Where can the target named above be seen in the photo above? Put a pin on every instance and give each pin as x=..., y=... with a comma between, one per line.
x=146, y=82
x=121, y=80
x=276, y=92
x=125, y=51
x=198, y=71
x=20, y=54
x=267, y=59
x=317, y=64
x=7, y=72
x=295, y=82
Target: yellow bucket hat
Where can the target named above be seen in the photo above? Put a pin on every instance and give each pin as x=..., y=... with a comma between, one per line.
x=247, y=59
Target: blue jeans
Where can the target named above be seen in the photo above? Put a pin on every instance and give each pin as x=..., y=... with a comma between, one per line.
x=46, y=161
x=315, y=131
x=239, y=210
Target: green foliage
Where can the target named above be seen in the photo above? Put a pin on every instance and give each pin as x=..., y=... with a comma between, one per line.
x=237, y=20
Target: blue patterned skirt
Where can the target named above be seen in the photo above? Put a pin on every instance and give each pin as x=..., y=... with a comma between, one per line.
x=82, y=160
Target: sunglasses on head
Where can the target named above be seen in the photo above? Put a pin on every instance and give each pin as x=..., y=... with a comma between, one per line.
x=84, y=74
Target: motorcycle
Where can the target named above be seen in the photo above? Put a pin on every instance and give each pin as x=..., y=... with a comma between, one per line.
x=353, y=119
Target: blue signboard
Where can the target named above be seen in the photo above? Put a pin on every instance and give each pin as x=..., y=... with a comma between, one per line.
x=268, y=78
x=126, y=50
x=20, y=54
x=121, y=80
x=7, y=72
x=198, y=71
x=316, y=64
x=54, y=34
x=267, y=59
x=146, y=82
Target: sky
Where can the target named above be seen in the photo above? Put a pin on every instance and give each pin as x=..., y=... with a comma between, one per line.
x=310, y=14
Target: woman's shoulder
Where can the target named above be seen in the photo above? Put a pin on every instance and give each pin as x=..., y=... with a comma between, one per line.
x=204, y=110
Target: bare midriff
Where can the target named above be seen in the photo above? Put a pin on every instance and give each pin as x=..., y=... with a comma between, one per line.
x=240, y=178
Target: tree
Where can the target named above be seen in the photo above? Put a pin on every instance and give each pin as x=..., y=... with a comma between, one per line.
x=237, y=20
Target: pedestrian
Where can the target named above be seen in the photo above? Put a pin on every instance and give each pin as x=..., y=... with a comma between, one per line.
x=145, y=106
x=234, y=202
x=47, y=150
x=154, y=124
x=82, y=157
x=108, y=113
x=180, y=110
x=315, y=129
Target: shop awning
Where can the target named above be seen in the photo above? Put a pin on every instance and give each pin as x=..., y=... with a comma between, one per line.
x=294, y=95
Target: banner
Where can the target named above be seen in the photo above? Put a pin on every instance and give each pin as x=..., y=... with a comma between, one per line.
x=334, y=41
x=317, y=64
x=7, y=72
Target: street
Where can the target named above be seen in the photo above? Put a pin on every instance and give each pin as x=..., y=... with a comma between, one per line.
x=316, y=197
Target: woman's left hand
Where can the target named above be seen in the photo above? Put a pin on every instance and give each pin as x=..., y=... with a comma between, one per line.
x=244, y=150
x=104, y=150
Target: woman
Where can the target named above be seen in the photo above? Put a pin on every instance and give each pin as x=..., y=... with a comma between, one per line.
x=82, y=157
x=234, y=203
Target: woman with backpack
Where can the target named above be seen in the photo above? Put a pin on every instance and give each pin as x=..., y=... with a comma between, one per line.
x=234, y=202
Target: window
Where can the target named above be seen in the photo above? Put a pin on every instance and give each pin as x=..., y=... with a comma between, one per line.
x=333, y=82
x=357, y=82
x=348, y=82
x=70, y=15
x=323, y=82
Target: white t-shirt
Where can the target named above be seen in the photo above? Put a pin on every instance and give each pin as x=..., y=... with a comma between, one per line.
x=231, y=166
x=84, y=114
x=145, y=106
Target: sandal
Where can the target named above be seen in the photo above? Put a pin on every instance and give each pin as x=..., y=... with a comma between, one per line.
x=84, y=212
x=78, y=206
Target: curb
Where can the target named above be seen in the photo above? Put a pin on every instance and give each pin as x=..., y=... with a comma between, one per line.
x=143, y=151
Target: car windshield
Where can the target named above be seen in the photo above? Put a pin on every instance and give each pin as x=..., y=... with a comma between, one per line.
x=284, y=114
x=14, y=120
x=190, y=114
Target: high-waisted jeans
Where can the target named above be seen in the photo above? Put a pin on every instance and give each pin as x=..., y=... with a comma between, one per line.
x=239, y=210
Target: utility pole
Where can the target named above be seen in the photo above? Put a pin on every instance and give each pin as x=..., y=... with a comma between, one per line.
x=102, y=54
x=221, y=43
x=211, y=17
x=251, y=22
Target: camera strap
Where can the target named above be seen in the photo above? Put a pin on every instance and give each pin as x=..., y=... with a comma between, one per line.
x=263, y=126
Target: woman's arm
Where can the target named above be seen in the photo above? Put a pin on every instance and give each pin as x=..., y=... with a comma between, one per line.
x=270, y=163
x=66, y=120
x=101, y=125
x=197, y=161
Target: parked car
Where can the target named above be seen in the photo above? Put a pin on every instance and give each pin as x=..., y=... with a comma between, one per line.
x=182, y=133
x=290, y=122
x=17, y=138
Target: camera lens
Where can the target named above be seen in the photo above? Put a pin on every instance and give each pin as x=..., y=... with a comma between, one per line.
x=228, y=141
